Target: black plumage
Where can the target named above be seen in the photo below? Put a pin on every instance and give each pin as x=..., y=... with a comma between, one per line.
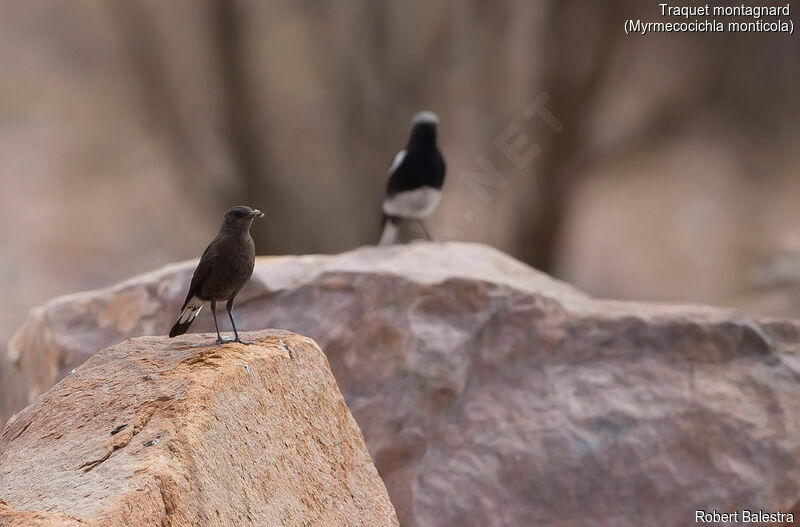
x=226, y=265
x=415, y=179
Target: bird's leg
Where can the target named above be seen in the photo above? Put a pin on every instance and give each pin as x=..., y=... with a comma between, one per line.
x=229, y=307
x=427, y=234
x=214, y=314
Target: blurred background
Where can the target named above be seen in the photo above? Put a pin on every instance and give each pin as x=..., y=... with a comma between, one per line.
x=662, y=167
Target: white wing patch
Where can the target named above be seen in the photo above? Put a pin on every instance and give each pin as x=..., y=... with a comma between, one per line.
x=398, y=158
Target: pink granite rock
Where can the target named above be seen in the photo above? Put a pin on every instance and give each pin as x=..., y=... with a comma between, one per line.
x=492, y=395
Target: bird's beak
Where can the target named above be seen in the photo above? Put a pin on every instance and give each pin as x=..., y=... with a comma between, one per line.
x=257, y=213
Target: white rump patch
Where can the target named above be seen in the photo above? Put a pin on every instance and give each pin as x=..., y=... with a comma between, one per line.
x=413, y=204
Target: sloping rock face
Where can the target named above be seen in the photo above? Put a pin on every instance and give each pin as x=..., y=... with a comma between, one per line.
x=491, y=395
x=186, y=432
x=14, y=518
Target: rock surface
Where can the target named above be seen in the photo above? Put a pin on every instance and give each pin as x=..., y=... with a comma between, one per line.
x=14, y=518
x=492, y=395
x=186, y=432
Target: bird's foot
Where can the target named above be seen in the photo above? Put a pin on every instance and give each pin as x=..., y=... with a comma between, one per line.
x=240, y=341
x=221, y=340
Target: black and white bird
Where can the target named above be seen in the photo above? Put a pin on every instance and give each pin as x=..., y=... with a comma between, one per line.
x=226, y=265
x=416, y=177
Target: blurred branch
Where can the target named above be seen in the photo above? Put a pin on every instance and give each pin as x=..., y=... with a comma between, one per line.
x=141, y=45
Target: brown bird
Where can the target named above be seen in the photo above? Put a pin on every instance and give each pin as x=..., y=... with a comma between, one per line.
x=226, y=265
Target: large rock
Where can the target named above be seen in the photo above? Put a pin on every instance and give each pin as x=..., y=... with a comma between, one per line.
x=13, y=518
x=186, y=432
x=490, y=394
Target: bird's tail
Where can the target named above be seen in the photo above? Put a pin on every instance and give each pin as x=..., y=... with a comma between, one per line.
x=189, y=312
x=391, y=230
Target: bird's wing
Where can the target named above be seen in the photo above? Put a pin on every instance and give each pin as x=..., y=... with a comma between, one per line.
x=441, y=169
x=203, y=268
x=398, y=158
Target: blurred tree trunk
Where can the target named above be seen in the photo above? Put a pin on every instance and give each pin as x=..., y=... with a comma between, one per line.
x=247, y=140
x=378, y=92
x=243, y=139
x=142, y=47
x=576, y=59
x=360, y=101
